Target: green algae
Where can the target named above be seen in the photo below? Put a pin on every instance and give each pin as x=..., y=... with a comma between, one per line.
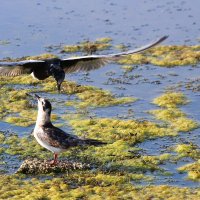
x=127, y=68
x=36, y=57
x=166, y=56
x=16, y=109
x=99, y=44
x=88, y=186
x=171, y=114
x=192, y=151
x=41, y=56
x=24, y=147
x=13, y=102
x=104, y=40
x=193, y=170
x=101, y=98
x=2, y=137
x=121, y=47
x=119, y=156
x=90, y=96
x=170, y=100
x=178, y=120
x=131, y=131
x=188, y=150
x=15, y=105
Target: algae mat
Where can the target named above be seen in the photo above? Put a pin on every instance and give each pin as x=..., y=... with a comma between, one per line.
x=128, y=166
x=122, y=167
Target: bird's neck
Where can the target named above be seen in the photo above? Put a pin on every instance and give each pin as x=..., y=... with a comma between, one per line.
x=43, y=119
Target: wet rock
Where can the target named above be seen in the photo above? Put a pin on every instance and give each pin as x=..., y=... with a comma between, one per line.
x=38, y=166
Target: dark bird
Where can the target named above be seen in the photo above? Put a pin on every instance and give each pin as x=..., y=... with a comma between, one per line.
x=42, y=69
x=53, y=138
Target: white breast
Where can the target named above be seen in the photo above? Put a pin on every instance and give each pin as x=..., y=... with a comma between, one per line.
x=45, y=144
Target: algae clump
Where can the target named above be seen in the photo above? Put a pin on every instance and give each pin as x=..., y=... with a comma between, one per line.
x=88, y=46
x=170, y=100
x=166, y=56
x=188, y=150
x=193, y=170
x=171, y=114
x=95, y=187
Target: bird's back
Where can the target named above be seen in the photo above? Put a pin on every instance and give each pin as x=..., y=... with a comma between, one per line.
x=59, y=139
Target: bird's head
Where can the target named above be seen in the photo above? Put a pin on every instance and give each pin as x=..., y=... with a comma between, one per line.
x=44, y=106
x=58, y=73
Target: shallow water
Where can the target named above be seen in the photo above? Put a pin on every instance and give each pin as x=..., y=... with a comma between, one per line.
x=30, y=26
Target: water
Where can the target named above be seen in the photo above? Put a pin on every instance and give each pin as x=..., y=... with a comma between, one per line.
x=30, y=26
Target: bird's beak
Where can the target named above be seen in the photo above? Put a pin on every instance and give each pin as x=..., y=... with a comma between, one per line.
x=35, y=95
x=38, y=97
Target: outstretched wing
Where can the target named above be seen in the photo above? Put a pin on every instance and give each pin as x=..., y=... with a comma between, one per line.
x=18, y=68
x=87, y=63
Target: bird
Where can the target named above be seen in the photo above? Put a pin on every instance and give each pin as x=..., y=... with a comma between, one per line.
x=53, y=138
x=57, y=68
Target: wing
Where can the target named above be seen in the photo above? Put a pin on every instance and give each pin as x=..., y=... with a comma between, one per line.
x=18, y=68
x=87, y=63
x=58, y=138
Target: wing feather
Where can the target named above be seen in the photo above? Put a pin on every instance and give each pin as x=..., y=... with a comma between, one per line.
x=91, y=62
x=18, y=68
x=58, y=138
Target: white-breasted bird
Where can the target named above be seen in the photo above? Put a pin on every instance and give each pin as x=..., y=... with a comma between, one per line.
x=53, y=138
x=56, y=67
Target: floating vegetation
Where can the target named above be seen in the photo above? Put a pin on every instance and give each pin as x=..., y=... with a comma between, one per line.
x=193, y=170
x=188, y=150
x=114, y=167
x=179, y=121
x=192, y=151
x=88, y=46
x=131, y=131
x=171, y=114
x=170, y=100
x=121, y=47
x=41, y=57
x=37, y=57
x=82, y=185
x=104, y=40
x=127, y=68
x=98, y=98
x=16, y=108
x=166, y=56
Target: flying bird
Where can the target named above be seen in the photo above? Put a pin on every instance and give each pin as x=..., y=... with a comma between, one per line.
x=53, y=138
x=56, y=67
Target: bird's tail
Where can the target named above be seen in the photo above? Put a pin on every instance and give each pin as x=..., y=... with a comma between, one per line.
x=93, y=142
